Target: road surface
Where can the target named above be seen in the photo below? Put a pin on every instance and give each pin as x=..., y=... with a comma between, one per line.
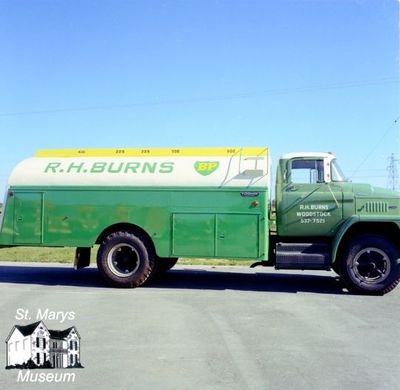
x=208, y=328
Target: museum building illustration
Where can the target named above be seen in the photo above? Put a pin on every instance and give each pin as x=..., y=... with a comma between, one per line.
x=36, y=346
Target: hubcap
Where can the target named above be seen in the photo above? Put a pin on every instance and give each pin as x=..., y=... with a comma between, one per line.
x=371, y=265
x=123, y=260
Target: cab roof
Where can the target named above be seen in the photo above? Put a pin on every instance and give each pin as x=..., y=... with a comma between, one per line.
x=289, y=156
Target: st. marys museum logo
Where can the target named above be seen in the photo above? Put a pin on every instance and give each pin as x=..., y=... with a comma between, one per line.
x=35, y=346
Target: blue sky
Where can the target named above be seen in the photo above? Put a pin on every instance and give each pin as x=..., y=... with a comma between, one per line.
x=293, y=75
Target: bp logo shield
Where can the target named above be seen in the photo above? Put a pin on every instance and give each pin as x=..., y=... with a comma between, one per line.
x=206, y=168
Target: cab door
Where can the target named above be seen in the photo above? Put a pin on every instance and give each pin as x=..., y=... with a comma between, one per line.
x=310, y=206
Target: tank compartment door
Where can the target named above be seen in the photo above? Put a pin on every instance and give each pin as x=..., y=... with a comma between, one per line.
x=237, y=236
x=193, y=235
x=216, y=235
x=28, y=218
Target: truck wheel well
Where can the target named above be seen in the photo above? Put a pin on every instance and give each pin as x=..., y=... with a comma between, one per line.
x=129, y=227
x=388, y=230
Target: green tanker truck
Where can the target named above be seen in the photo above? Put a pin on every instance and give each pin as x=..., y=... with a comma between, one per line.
x=145, y=208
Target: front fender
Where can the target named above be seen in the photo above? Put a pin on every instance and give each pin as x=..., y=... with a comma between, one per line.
x=351, y=222
x=340, y=234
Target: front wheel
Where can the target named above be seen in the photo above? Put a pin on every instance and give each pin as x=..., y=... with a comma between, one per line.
x=125, y=260
x=371, y=265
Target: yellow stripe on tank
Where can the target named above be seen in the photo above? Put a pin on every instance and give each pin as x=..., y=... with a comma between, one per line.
x=154, y=152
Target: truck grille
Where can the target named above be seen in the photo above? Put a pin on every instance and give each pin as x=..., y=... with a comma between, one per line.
x=376, y=207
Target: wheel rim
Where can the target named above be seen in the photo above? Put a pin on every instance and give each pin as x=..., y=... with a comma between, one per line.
x=123, y=260
x=371, y=265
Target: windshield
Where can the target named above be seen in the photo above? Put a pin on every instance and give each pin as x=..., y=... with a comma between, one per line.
x=337, y=174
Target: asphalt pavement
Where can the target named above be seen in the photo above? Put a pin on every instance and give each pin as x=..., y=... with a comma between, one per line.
x=208, y=328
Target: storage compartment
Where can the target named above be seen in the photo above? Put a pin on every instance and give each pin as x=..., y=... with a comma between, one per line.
x=237, y=236
x=215, y=235
x=28, y=212
x=193, y=235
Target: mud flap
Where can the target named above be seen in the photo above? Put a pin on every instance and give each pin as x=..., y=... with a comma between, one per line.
x=82, y=258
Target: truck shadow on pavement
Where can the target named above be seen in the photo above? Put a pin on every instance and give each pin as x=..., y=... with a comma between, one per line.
x=272, y=281
x=185, y=279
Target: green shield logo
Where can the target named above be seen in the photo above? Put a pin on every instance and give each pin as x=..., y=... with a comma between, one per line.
x=206, y=168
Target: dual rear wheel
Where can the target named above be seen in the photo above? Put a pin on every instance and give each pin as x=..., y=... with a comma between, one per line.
x=127, y=259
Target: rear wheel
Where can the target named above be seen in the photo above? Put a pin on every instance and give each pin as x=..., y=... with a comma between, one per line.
x=371, y=265
x=125, y=259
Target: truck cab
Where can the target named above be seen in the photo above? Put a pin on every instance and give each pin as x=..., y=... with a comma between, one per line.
x=324, y=221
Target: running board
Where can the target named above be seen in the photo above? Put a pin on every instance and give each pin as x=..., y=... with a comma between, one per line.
x=303, y=256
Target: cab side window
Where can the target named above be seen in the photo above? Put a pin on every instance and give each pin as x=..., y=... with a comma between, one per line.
x=307, y=171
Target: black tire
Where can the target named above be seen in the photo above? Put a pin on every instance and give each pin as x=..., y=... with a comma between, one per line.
x=125, y=259
x=371, y=265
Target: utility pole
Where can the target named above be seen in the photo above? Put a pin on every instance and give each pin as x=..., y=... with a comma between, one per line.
x=393, y=174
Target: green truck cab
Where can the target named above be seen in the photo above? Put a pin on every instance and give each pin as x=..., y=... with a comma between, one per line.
x=324, y=222
x=145, y=208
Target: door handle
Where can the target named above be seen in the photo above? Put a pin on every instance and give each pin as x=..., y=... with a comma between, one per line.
x=291, y=187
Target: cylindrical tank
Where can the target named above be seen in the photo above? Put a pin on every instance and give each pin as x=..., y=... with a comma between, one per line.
x=187, y=167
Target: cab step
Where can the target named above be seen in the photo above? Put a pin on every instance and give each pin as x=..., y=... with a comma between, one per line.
x=303, y=256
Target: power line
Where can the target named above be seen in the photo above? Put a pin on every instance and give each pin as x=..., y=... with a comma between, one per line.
x=243, y=95
x=372, y=170
x=369, y=176
x=393, y=124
